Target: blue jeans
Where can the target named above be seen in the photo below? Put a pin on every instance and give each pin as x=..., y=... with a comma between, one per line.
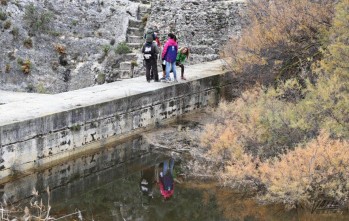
x=170, y=65
x=166, y=167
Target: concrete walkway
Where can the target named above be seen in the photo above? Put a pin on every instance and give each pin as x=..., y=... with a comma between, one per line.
x=16, y=107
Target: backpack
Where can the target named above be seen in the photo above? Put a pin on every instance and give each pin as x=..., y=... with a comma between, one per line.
x=148, y=51
x=149, y=35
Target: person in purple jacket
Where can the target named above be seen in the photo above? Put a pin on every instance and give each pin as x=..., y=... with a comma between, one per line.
x=169, y=54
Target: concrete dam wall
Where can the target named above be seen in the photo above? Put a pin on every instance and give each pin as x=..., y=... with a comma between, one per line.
x=40, y=131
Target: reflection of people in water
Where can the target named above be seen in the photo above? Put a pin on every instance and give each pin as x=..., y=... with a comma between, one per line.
x=148, y=178
x=166, y=179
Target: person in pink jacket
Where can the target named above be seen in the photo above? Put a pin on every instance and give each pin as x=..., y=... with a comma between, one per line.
x=169, y=54
x=166, y=179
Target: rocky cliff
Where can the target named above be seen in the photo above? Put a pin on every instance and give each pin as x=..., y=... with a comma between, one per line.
x=202, y=25
x=54, y=46
x=49, y=46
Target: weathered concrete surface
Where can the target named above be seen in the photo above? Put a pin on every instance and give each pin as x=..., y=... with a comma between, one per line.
x=37, y=131
x=72, y=178
x=9, y=96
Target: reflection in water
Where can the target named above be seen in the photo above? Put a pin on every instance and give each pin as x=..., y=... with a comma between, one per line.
x=193, y=200
x=122, y=182
x=166, y=179
x=148, y=179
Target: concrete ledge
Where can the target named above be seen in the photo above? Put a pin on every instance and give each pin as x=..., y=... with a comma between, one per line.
x=39, y=130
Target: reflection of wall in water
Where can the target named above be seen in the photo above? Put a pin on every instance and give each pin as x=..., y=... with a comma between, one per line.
x=76, y=176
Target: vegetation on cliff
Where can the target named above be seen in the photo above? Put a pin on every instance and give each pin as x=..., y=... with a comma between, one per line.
x=287, y=136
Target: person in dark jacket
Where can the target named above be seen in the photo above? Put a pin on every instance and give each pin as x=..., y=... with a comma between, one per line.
x=150, y=52
x=169, y=54
x=148, y=179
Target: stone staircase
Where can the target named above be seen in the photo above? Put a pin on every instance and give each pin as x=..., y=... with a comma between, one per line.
x=134, y=39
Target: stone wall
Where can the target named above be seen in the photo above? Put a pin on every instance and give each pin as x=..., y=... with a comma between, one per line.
x=42, y=140
x=75, y=48
x=71, y=178
x=68, y=51
x=203, y=25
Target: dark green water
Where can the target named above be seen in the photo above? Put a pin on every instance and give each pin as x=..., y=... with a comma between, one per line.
x=106, y=186
x=192, y=200
x=122, y=200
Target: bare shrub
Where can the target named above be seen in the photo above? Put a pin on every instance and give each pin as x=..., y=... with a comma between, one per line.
x=282, y=40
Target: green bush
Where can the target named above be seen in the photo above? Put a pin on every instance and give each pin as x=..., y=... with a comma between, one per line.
x=7, y=68
x=134, y=63
x=28, y=43
x=15, y=32
x=100, y=78
x=106, y=49
x=7, y=24
x=145, y=19
x=3, y=15
x=37, y=20
x=122, y=48
x=40, y=88
x=76, y=127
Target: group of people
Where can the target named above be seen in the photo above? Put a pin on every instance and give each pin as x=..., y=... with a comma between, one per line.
x=171, y=56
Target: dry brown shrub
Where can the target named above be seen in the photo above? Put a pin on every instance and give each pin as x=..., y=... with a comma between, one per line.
x=257, y=123
x=317, y=171
x=320, y=170
x=59, y=48
x=282, y=40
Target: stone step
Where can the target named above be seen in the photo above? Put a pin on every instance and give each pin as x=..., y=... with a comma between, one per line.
x=117, y=75
x=144, y=9
x=125, y=65
x=135, y=31
x=135, y=45
x=130, y=56
x=199, y=58
x=135, y=39
x=134, y=23
x=124, y=74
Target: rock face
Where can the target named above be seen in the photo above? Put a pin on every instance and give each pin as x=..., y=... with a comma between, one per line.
x=52, y=46
x=58, y=45
x=203, y=25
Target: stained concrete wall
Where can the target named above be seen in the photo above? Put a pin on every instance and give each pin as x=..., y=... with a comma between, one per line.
x=40, y=140
x=72, y=178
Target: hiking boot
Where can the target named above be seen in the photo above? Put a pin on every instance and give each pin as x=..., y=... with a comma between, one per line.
x=183, y=78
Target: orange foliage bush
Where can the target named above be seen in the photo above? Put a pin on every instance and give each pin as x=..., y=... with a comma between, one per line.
x=257, y=123
x=289, y=143
x=282, y=40
x=60, y=48
x=319, y=170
